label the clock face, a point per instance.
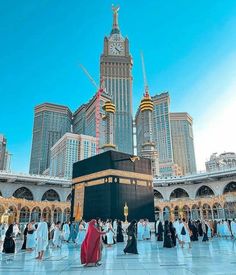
(116, 48)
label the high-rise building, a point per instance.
(144, 130)
(84, 119)
(51, 122)
(69, 149)
(221, 161)
(162, 132)
(7, 162)
(3, 150)
(116, 71)
(183, 142)
(79, 120)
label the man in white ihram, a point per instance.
(42, 238)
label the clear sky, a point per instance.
(189, 49)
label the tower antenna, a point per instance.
(146, 88)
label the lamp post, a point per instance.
(126, 212)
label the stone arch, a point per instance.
(47, 214)
(57, 215)
(51, 195)
(157, 212)
(186, 212)
(179, 193)
(13, 210)
(23, 193)
(176, 212)
(69, 197)
(166, 213)
(204, 191)
(157, 195)
(36, 214)
(230, 210)
(195, 212)
(218, 212)
(24, 214)
(230, 188)
(206, 211)
(66, 214)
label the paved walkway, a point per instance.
(215, 257)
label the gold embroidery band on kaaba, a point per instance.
(115, 173)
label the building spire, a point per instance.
(115, 25)
(146, 88)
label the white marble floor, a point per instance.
(215, 257)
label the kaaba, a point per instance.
(103, 184)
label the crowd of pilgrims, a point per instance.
(92, 237)
(183, 232)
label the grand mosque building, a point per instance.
(178, 191)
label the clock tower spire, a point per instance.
(115, 25)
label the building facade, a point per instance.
(28, 197)
(69, 149)
(84, 119)
(51, 122)
(183, 142)
(162, 132)
(222, 161)
(116, 71)
(3, 151)
(209, 195)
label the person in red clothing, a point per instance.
(90, 254)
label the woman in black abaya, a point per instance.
(173, 234)
(119, 236)
(131, 246)
(25, 237)
(167, 236)
(205, 231)
(199, 228)
(9, 243)
(160, 232)
(194, 230)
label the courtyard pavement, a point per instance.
(216, 257)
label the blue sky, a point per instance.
(189, 49)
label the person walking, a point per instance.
(90, 253)
(131, 246)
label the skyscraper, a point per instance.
(182, 141)
(3, 151)
(84, 119)
(115, 69)
(162, 132)
(51, 122)
(69, 149)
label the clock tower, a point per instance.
(116, 71)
